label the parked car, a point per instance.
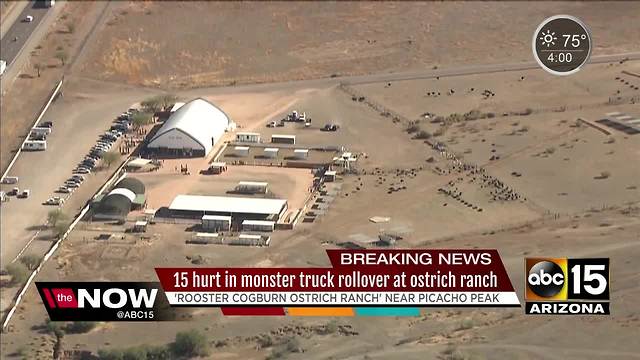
(15, 191)
(78, 177)
(24, 194)
(64, 190)
(71, 185)
(56, 200)
(82, 170)
(47, 124)
(271, 124)
(331, 127)
(28, 18)
(74, 180)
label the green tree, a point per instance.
(71, 28)
(80, 327)
(62, 56)
(190, 343)
(110, 157)
(158, 103)
(140, 119)
(60, 228)
(18, 272)
(55, 216)
(31, 261)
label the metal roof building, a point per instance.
(236, 207)
(132, 184)
(192, 130)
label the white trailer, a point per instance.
(301, 153)
(271, 152)
(241, 151)
(248, 137)
(216, 223)
(283, 139)
(3, 66)
(252, 187)
(35, 145)
(41, 131)
(258, 225)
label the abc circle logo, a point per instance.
(546, 279)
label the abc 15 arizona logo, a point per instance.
(562, 286)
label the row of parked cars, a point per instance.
(104, 143)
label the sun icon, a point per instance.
(548, 38)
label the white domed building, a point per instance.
(191, 131)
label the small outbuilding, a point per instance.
(241, 151)
(330, 176)
(301, 154)
(216, 223)
(248, 137)
(258, 225)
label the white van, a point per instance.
(41, 130)
(29, 18)
(35, 145)
(10, 180)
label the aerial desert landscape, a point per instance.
(458, 138)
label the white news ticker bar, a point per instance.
(204, 298)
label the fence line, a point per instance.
(35, 123)
(117, 175)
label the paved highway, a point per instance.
(21, 30)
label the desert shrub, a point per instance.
(265, 341)
(142, 352)
(550, 150)
(54, 216)
(55, 328)
(439, 132)
(31, 261)
(423, 135)
(527, 111)
(80, 327)
(112, 354)
(331, 327)
(466, 324)
(605, 175)
(190, 343)
(413, 128)
(472, 115)
(18, 272)
(290, 345)
(491, 115)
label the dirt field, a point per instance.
(299, 41)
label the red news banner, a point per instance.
(393, 277)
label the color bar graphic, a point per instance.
(382, 311)
(321, 311)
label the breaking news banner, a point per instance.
(563, 286)
(106, 301)
(357, 278)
